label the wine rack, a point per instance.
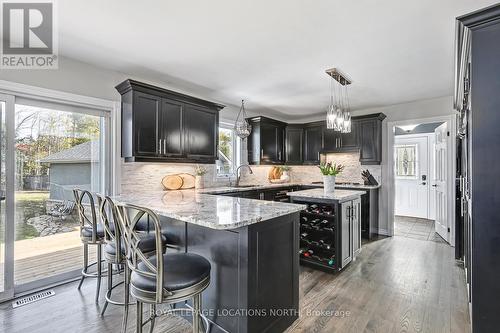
(318, 236)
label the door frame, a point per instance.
(9, 228)
(391, 181)
(12, 90)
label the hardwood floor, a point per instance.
(397, 284)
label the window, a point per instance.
(406, 163)
(228, 152)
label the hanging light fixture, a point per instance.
(338, 116)
(331, 111)
(242, 127)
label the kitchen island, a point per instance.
(330, 227)
(252, 246)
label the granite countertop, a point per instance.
(211, 211)
(228, 189)
(318, 193)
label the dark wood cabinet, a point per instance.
(200, 131)
(331, 140)
(369, 129)
(171, 125)
(478, 59)
(270, 143)
(147, 129)
(294, 145)
(313, 138)
(266, 143)
(163, 125)
(334, 141)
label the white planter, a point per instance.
(199, 182)
(329, 184)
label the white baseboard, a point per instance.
(384, 232)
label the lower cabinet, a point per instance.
(350, 231)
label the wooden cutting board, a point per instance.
(188, 180)
(172, 182)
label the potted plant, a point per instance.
(199, 171)
(285, 172)
(330, 171)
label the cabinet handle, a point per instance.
(318, 156)
(160, 148)
(262, 153)
(165, 146)
(279, 155)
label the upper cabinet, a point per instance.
(266, 143)
(313, 138)
(370, 138)
(304, 143)
(334, 141)
(162, 125)
(294, 144)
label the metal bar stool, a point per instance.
(162, 278)
(91, 233)
(113, 235)
(113, 239)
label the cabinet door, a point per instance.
(346, 234)
(294, 145)
(331, 140)
(271, 143)
(350, 140)
(146, 124)
(370, 141)
(312, 144)
(356, 227)
(171, 128)
(200, 133)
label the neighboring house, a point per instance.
(72, 168)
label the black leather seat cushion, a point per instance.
(146, 244)
(87, 230)
(180, 270)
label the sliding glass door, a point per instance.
(55, 148)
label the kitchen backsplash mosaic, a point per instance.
(148, 176)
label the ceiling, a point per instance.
(273, 53)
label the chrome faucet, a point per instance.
(238, 173)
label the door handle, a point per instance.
(262, 153)
(423, 183)
(434, 185)
(165, 146)
(160, 148)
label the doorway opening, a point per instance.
(422, 176)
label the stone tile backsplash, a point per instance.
(147, 176)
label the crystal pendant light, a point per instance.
(338, 113)
(331, 111)
(346, 127)
(242, 127)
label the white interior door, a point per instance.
(440, 181)
(432, 177)
(412, 182)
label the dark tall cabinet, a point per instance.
(162, 125)
(313, 138)
(294, 144)
(266, 143)
(477, 98)
(369, 129)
